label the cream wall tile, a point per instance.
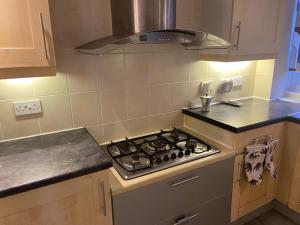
(17, 88)
(176, 119)
(136, 66)
(83, 72)
(231, 68)
(97, 132)
(115, 131)
(138, 101)
(114, 107)
(86, 109)
(51, 85)
(265, 67)
(198, 69)
(167, 68)
(1, 133)
(112, 71)
(160, 99)
(263, 86)
(56, 113)
(13, 127)
(159, 122)
(181, 95)
(138, 127)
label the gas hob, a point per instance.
(143, 155)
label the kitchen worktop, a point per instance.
(253, 114)
(30, 163)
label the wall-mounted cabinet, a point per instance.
(26, 44)
(250, 25)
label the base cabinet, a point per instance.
(189, 197)
(81, 201)
(247, 198)
(294, 200)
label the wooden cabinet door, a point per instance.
(25, 34)
(81, 201)
(294, 199)
(102, 199)
(246, 198)
(254, 27)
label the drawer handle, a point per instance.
(44, 36)
(238, 29)
(102, 191)
(184, 181)
(185, 220)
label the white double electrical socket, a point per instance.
(237, 81)
(27, 107)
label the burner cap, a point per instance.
(191, 143)
(158, 144)
(135, 158)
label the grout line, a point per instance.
(70, 102)
(142, 117)
(1, 132)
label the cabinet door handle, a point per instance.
(185, 220)
(240, 165)
(103, 197)
(44, 36)
(184, 181)
(237, 28)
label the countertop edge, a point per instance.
(244, 128)
(52, 180)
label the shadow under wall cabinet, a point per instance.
(251, 26)
(81, 201)
(26, 44)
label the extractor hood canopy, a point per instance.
(149, 22)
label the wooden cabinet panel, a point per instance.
(294, 200)
(251, 26)
(25, 34)
(254, 27)
(75, 202)
(26, 44)
(246, 198)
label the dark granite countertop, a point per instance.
(29, 163)
(253, 114)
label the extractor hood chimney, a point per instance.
(149, 22)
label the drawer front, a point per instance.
(154, 203)
(214, 212)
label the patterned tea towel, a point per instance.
(259, 157)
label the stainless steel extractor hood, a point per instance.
(149, 22)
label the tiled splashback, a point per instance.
(119, 94)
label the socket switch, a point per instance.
(28, 107)
(237, 81)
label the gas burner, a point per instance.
(194, 145)
(136, 157)
(155, 147)
(158, 144)
(122, 148)
(175, 136)
(134, 162)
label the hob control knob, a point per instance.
(158, 160)
(173, 156)
(187, 152)
(166, 158)
(180, 154)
